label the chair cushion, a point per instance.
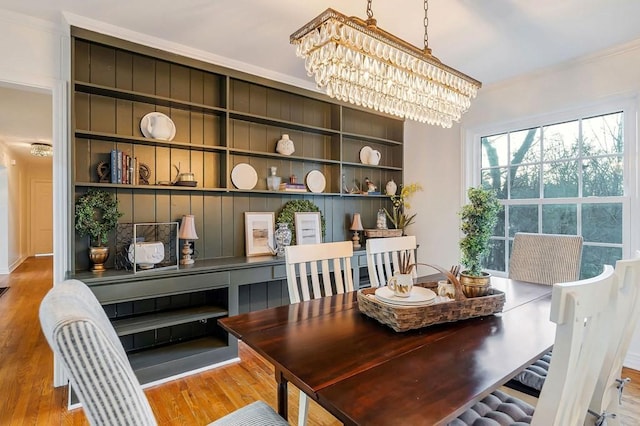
(254, 414)
(534, 375)
(496, 409)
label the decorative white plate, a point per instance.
(244, 176)
(419, 296)
(316, 181)
(158, 126)
(365, 152)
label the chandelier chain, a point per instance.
(369, 10)
(426, 23)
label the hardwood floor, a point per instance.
(26, 366)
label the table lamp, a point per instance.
(187, 233)
(356, 226)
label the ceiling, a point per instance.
(490, 40)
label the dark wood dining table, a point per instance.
(364, 373)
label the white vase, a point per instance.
(285, 146)
(391, 188)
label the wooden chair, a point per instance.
(543, 259)
(584, 312)
(319, 261)
(383, 254)
(84, 340)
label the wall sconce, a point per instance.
(187, 233)
(356, 226)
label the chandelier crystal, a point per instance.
(357, 62)
(39, 149)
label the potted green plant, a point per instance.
(398, 216)
(479, 217)
(96, 215)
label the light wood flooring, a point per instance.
(26, 364)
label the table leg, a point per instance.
(282, 395)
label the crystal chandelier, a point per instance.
(40, 149)
(357, 62)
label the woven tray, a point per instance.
(404, 318)
(382, 233)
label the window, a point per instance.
(560, 178)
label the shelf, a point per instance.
(372, 139)
(112, 137)
(253, 118)
(96, 89)
(166, 319)
(147, 187)
(371, 166)
(235, 151)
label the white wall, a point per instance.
(599, 78)
(14, 239)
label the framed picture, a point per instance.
(308, 228)
(258, 231)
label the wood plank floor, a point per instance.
(26, 365)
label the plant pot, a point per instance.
(98, 256)
(474, 286)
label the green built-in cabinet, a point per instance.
(222, 118)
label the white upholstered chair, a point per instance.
(84, 340)
(319, 262)
(584, 312)
(543, 259)
(383, 257)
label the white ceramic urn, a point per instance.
(285, 145)
(391, 188)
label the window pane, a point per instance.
(560, 141)
(602, 223)
(494, 150)
(498, 230)
(495, 179)
(560, 219)
(495, 258)
(602, 135)
(593, 258)
(602, 177)
(525, 182)
(560, 179)
(523, 219)
(525, 146)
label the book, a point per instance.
(293, 186)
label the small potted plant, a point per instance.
(97, 214)
(479, 217)
(398, 215)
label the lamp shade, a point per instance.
(356, 225)
(188, 228)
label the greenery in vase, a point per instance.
(96, 215)
(399, 217)
(479, 217)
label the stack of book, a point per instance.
(293, 187)
(124, 168)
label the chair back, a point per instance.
(606, 398)
(383, 257)
(584, 314)
(318, 261)
(545, 258)
(83, 339)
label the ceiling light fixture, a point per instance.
(40, 149)
(357, 62)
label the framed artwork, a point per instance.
(308, 228)
(258, 231)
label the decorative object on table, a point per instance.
(103, 169)
(146, 254)
(399, 216)
(446, 289)
(285, 145)
(381, 219)
(96, 215)
(144, 173)
(391, 188)
(151, 246)
(187, 234)
(382, 233)
(244, 176)
(287, 215)
(259, 233)
(307, 225)
(157, 125)
(479, 217)
(401, 282)
(316, 181)
(283, 238)
(183, 179)
(333, 42)
(273, 181)
(356, 225)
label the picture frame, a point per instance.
(258, 231)
(308, 227)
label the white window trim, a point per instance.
(471, 152)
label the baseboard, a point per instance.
(632, 360)
(15, 264)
